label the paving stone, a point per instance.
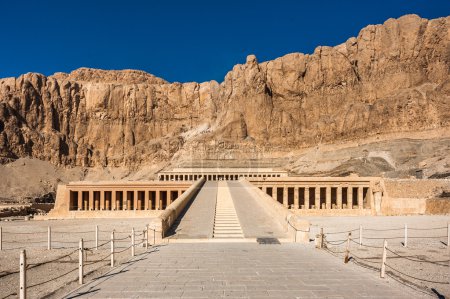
(241, 270)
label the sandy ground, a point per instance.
(52, 273)
(423, 264)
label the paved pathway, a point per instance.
(255, 221)
(240, 270)
(198, 219)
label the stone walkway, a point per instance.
(226, 221)
(255, 221)
(198, 220)
(240, 270)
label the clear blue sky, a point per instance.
(181, 40)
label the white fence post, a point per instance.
(96, 237)
(448, 236)
(80, 263)
(146, 237)
(23, 275)
(347, 251)
(49, 238)
(360, 235)
(112, 249)
(405, 242)
(132, 241)
(383, 261)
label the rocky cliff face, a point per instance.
(391, 78)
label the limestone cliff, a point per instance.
(391, 78)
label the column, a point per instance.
(136, 204)
(274, 192)
(328, 197)
(285, 197)
(317, 197)
(350, 197)
(91, 200)
(169, 197)
(180, 192)
(146, 198)
(102, 200)
(80, 200)
(158, 196)
(125, 204)
(264, 189)
(360, 198)
(339, 197)
(296, 202)
(113, 200)
(307, 197)
(107, 202)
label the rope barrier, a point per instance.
(419, 260)
(44, 282)
(421, 279)
(370, 246)
(383, 230)
(334, 244)
(435, 228)
(123, 250)
(343, 232)
(70, 232)
(17, 233)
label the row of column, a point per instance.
(88, 200)
(213, 177)
(312, 198)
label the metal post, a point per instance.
(1, 238)
(96, 237)
(146, 237)
(132, 241)
(347, 250)
(405, 242)
(154, 236)
(360, 236)
(80, 263)
(383, 261)
(49, 238)
(23, 275)
(112, 249)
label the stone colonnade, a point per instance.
(103, 198)
(320, 195)
(214, 176)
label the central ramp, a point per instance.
(226, 221)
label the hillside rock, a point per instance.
(391, 78)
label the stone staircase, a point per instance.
(226, 221)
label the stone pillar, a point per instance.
(285, 197)
(157, 200)
(80, 200)
(328, 197)
(264, 189)
(360, 197)
(317, 197)
(146, 198)
(107, 202)
(339, 197)
(350, 197)
(113, 200)
(102, 200)
(275, 192)
(169, 197)
(136, 200)
(91, 200)
(179, 193)
(96, 201)
(306, 197)
(296, 201)
(125, 204)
